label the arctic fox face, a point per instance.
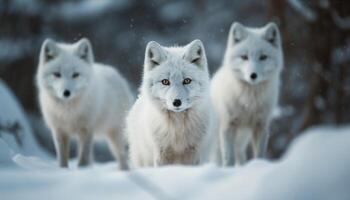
(175, 78)
(65, 69)
(254, 54)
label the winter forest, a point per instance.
(308, 150)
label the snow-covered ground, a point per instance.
(316, 166)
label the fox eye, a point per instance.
(165, 82)
(195, 60)
(187, 81)
(75, 75)
(263, 57)
(57, 74)
(244, 57)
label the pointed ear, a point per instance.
(49, 51)
(84, 50)
(237, 33)
(272, 34)
(154, 56)
(195, 54)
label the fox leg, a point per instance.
(240, 156)
(116, 145)
(227, 139)
(61, 141)
(165, 156)
(156, 158)
(242, 139)
(260, 141)
(263, 142)
(85, 140)
(137, 159)
(190, 156)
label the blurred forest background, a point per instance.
(316, 40)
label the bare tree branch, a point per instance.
(342, 23)
(305, 11)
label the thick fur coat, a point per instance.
(245, 90)
(171, 121)
(81, 98)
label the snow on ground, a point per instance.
(15, 133)
(316, 166)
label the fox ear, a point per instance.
(237, 33)
(272, 34)
(155, 54)
(49, 51)
(84, 50)
(195, 54)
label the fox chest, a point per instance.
(71, 121)
(179, 135)
(250, 108)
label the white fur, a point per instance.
(98, 102)
(160, 133)
(244, 105)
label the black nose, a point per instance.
(177, 102)
(253, 76)
(66, 93)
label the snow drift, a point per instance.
(316, 166)
(15, 132)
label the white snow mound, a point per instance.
(15, 133)
(316, 166)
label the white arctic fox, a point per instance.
(81, 98)
(171, 119)
(245, 90)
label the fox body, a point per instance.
(245, 90)
(172, 117)
(81, 98)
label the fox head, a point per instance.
(65, 69)
(254, 54)
(175, 78)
